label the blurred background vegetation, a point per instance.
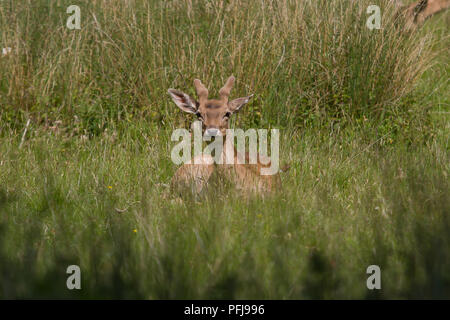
(305, 61)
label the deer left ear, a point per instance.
(236, 104)
(183, 101)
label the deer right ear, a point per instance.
(236, 104)
(183, 101)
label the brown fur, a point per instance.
(215, 115)
(416, 13)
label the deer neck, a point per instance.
(229, 151)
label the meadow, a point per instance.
(85, 126)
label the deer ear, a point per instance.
(183, 101)
(236, 104)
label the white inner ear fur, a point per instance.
(236, 104)
(183, 101)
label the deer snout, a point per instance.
(212, 132)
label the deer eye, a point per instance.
(227, 115)
(199, 115)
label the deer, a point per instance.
(214, 115)
(416, 13)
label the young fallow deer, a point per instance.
(214, 115)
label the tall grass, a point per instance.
(87, 182)
(104, 206)
(303, 59)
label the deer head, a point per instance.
(213, 113)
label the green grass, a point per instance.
(316, 59)
(345, 205)
(368, 182)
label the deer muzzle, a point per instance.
(212, 132)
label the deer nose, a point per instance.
(212, 132)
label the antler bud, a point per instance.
(226, 89)
(202, 92)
